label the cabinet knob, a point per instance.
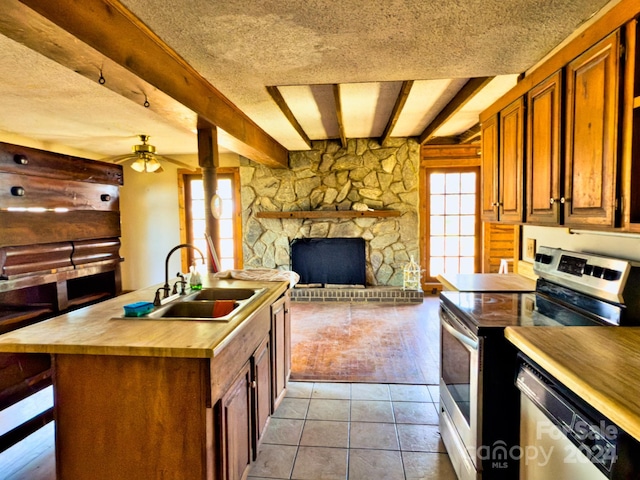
(17, 191)
(254, 384)
(105, 197)
(554, 200)
(20, 159)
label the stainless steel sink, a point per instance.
(192, 310)
(225, 294)
(200, 305)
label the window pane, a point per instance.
(452, 246)
(437, 204)
(468, 204)
(437, 225)
(437, 246)
(224, 188)
(453, 204)
(199, 227)
(226, 248)
(453, 225)
(467, 265)
(451, 265)
(197, 209)
(467, 225)
(437, 183)
(467, 246)
(226, 228)
(468, 182)
(197, 190)
(453, 183)
(436, 266)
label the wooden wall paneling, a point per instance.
(30, 161)
(499, 242)
(27, 191)
(29, 228)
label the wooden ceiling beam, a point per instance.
(466, 93)
(336, 96)
(397, 110)
(282, 104)
(471, 135)
(108, 27)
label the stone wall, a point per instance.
(329, 177)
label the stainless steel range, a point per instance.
(479, 404)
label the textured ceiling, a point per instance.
(303, 47)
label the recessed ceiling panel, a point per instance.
(426, 99)
(469, 115)
(359, 103)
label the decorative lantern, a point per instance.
(411, 276)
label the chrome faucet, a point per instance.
(166, 286)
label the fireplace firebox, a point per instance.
(329, 261)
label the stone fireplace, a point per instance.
(331, 178)
(327, 262)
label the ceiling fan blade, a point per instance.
(120, 158)
(175, 162)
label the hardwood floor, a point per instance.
(365, 342)
(343, 342)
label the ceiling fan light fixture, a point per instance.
(152, 165)
(139, 165)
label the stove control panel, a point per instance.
(596, 275)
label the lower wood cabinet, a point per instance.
(281, 348)
(261, 367)
(236, 444)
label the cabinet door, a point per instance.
(591, 138)
(511, 163)
(261, 390)
(489, 140)
(235, 427)
(543, 204)
(281, 348)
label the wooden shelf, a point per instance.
(329, 214)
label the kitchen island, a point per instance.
(161, 398)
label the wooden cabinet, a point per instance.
(489, 139)
(281, 348)
(235, 427)
(261, 367)
(503, 164)
(592, 121)
(544, 203)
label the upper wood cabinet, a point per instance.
(544, 202)
(502, 165)
(592, 118)
(489, 151)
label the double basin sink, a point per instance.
(209, 304)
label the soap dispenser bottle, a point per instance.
(195, 283)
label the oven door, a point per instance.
(460, 393)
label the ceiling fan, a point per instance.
(146, 158)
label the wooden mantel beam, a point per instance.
(108, 27)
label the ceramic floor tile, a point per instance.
(381, 436)
(370, 391)
(415, 412)
(420, 438)
(371, 411)
(283, 431)
(292, 408)
(322, 433)
(409, 393)
(320, 463)
(375, 464)
(434, 391)
(274, 461)
(422, 465)
(299, 389)
(340, 391)
(321, 409)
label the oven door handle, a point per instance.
(465, 339)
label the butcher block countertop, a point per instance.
(487, 282)
(600, 364)
(97, 330)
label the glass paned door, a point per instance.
(454, 226)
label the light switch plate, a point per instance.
(531, 247)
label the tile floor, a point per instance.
(354, 431)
